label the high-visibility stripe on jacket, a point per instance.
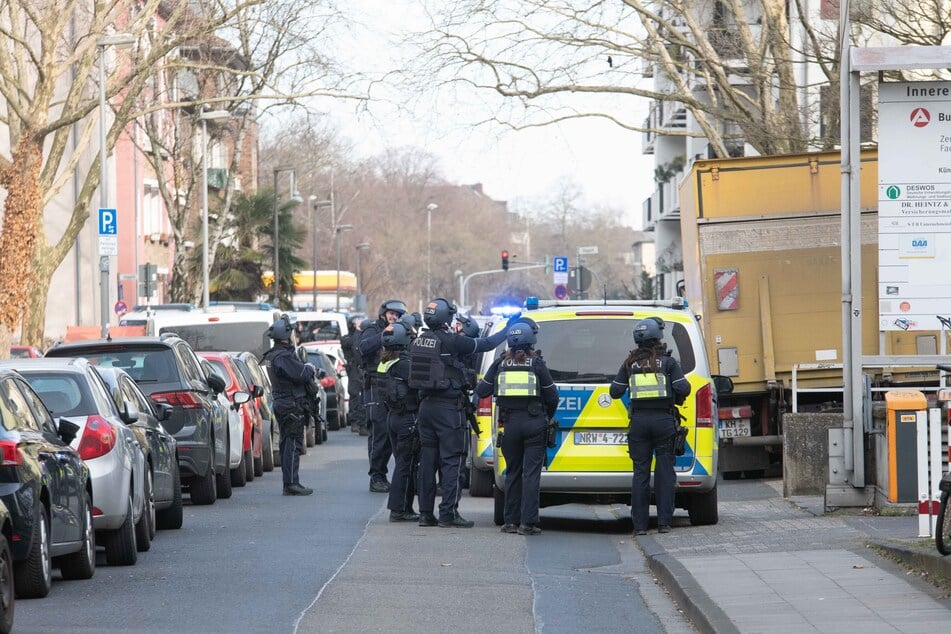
(517, 383)
(649, 386)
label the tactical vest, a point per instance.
(397, 396)
(516, 386)
(427, 368)
(649, 388)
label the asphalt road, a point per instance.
(261, 562)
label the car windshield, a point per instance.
(218, 336)
(592, 350)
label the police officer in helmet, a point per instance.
(289, 378)
(371, 346)
(437, 371)
(526, 397)
(656, 384)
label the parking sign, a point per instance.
(108, 223)
(560, 270)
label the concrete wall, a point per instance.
(806, 452)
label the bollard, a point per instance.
(903, 409)
(929, 469)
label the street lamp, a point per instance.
(121, 40)
(337, 231)
(429, 249)
(360, 247)
(295, 196)
(205, 117)
(315, 205)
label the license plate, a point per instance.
(734, 427)
(600, 438)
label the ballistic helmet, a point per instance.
(470, 327)
(366, 323)
(438, 313)
(520, 334)
(395, 305)
(531, 323)
(396, 337)
(650, 329)
(281, 329)
(412, 321)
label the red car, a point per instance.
(25, 352)
(250, 416)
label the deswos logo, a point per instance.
(920, 117)
(916, 247)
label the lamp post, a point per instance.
(277, 251)
(337, 231)
(315, 205)
(205, 117)
(119, 40)
(429, 249)
(363, 246)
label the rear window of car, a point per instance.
(63, 394)
(321, 361)
(150, 364)
(321, 330)
(592, 350)
(218, 336)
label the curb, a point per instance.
(931, 564)
(684, 589)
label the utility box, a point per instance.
(903, 407)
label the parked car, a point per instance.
(40, 472)
(6, 570)
(159, 446)
(251, 463)
(260, 387)
(168, 371)
(335, 352)
(335, 416)
(25, 352)
(72, 389)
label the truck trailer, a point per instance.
(762, 269)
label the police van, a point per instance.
(584, 344)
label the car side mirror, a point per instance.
(257, 391)
(722, 384)
(215, 382)
(129, 413)
(240, 398)
(67, 431)
(163, 411)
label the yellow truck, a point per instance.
(762, 269)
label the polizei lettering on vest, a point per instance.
(425, 342)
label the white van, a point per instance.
(321, 325)
(219, 329)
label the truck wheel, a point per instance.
(481, 482)
(702, 508)
(499, 496)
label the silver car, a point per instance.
(71, 388)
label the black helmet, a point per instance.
(438, 313)
(650, 329)
(411, 321)
(281, 329)
(470, 327)
(396, 336)
(520, 334)
(366, 323)
(530, 322)
(395, 305)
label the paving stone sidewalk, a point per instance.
(777, 565)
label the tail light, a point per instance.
(184, 399)
(10, 454)
(704, 410)
(327, 382)
(99, 437)
(484, 406)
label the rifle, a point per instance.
(470, 410)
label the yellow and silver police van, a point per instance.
(584, 343)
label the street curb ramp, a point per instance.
(695, 603)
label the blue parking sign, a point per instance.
(108, 222)
(560, 264)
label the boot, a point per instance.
(379, 485)
(400, 516)
(457, 521)
(427, 519)
(297, 489)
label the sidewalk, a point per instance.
(776, 565)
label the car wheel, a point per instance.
(499, 514)
(481, 482)
(323, 432)
(310, 435)
(82, 563)
(239, 474)
(171, 517)
(333, 421)
(259, 463)
(33, 577)
(268, 454)
(318, 433)
(204, 490)
(702, 508)
(121, 549)
(144, 531)
(249, 466)
(6, 587)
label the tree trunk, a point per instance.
(22, 213)
(34, 318)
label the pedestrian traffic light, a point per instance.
(505, 260)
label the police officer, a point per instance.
(370, 346)
(356, 416)
(289, 377)
(656, 384)
(526, 397)
(401, 402)
(436, 370)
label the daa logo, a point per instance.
(920, 117)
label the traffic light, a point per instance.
(505, 260)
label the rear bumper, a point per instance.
(110, 490)
(194, 458)
(611, 482)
